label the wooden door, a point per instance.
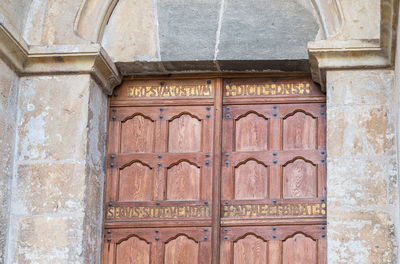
(273, 173)
(213, 170)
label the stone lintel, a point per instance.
(58, 59)
(333, 54)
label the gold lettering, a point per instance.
(110, 212)
(308, 88)
(284, 88)
(301, 88)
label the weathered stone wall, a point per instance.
(57, 189)
(8, 115)
(362, 166)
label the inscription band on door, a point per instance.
(216, 170)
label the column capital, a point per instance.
(57, 59)
(333, 54)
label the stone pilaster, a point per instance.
(55, 169)
(362, 166)
(8, 114)
(57, 189)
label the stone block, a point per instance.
(361, 237)
(15, 12)
(266, 30)
(264, 65)
(46, 239)
(363, 87)
(131, 33)
(361, 19)
(187, 29)
(53, 118)
(361, 130)
(54, 29)
(361, 184)
(50, 188)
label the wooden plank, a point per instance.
(216, 184)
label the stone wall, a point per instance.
(8, 116)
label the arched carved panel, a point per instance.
(250, 249)
(133, 251)
(137, 135)
(299, 179)
(136, 183)
(183, 182)
(181, 250)
(251, 181)
(299, 132)
(251, 133)
(185, 134)
(299, 250)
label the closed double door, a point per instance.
(216, 170)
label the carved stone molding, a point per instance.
(58, 59)
(357, 54)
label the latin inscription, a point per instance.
(159, 212)
(268, 89)
(170, 91)
(266, 210)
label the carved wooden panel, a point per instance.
(183, 182)
(136, 183)
(181, 250)
(251, 133)
(133, 251)
(185, 134)
(299, 131)
(137, 134)
(299, 249)
(250, 249)
(251, 181)
(300, 179)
